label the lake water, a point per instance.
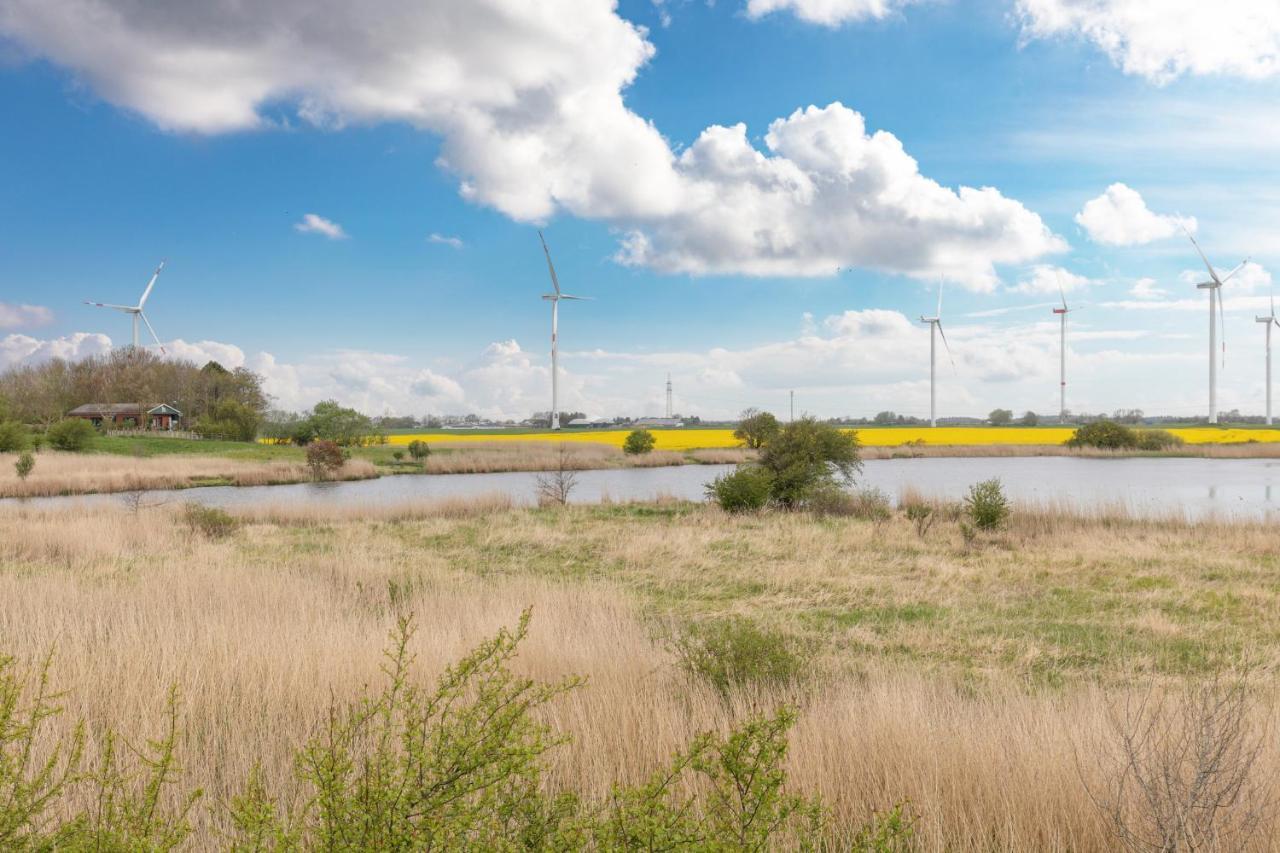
(1194, 487)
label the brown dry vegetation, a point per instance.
(973, 683)
(79, 473)
(492, 457)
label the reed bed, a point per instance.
(485, 458)
(1242, 450)
(82, 474)
(929, 662)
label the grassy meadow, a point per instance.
(976, 682)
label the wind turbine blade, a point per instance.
(1213, 275)
(1239, 267)
(1061, 292)
(947, 345)
(939, 314)
(578, 298)
(150, 284)
(109, 305)
(555, 282)
(154, 336)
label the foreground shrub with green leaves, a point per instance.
(986, 505)
(453, 766)
(735, 652)
(73, 434)
(746, 489)
(639, 442)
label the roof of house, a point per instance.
(103, 409)
(163, 409)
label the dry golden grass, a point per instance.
(493, 457)
(80, 474)
(930, 660)
(1245, 450)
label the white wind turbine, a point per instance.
(1062, 354)
(136, 310)
(554, 299)
(935, 329)
(1270, 320)
(1214, 286)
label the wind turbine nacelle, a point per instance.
(1060, 310)
(1207, 285)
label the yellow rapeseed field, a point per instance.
(691, 439)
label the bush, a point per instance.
(986, 505)
(734, 652)
(13, 437)
(1157, 439)
(868, 504)
(746, 489)
(756, 428)
(639, 442)
(806, 456)
(231, 420)
(211, 522)
(24, 465)
(419, 449)
(1107, 435)
(922, 516)
(73, 434)
(324, 458)
(397, 455)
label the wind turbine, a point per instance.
(1062, 354)
(554, 299)
(1214, 286)
(1270, 320)
(136, 310)
(935, 325)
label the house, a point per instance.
(589, 423)
(664, 423)
(128, 416)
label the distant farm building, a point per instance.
(128, 416)
(589, 423)
(661, 423)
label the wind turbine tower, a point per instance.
(554, 299)
(135, 311)
(669, 406)
(935, 329)
(1062, 355)
(1214, 286)
(1270, 320)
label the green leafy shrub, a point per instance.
(324, 458)
(867, 504)
(211, 522)
(1106, 435)
(807, 455)
(639, 442)
(13, 437)
(745, 489)
(73, 434)
(419, 449)
(24, 465)
(986, 505)
(231, 420)
(735, 652)
(397, 455)
(1157, 439)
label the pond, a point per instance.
(1149, 486)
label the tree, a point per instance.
(339, 424)
(73, 434)
(419, 449)
(885, 418)
(806, 456)
(13, 437)
(231, 419)
(639, 442)
(324, 458)
(745, 489)
(1030, 419)
(1107, 435)
(756, 428)
(1000, 417)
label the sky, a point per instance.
(759, 196)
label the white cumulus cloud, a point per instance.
(1164, 39)
(23, 349)
(1147, 288)
(446, 240)
(1045, 279)
(314, 224)
(1120, 217)
(827, 13)
(528, 101)
(24, 316)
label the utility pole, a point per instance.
(669, 407)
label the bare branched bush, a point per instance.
(1179, 769)
(555, 486)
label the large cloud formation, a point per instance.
(1166, 39)
(1120, 217)
(528, 100)
(828, 13)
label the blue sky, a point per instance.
(135, 141)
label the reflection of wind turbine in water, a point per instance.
(935, 326)
(554, 299)
(136, 310)
(1214, 286)
(1270, 320)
